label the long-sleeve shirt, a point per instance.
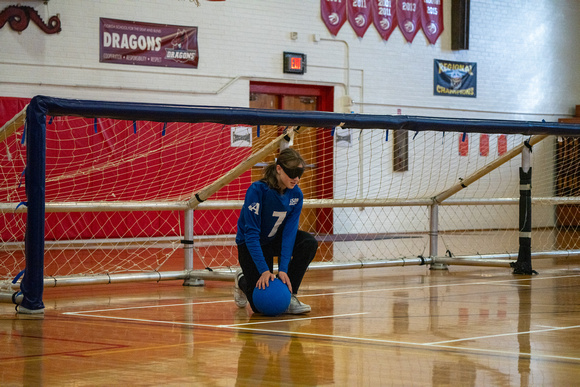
(265, 214)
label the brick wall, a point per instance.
(525, 51)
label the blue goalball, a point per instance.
(273, 300)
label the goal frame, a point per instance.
(41, 107)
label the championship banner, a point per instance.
(359, 15)
(384, 17)
(409, 18)
(432, 19)
(458, 79)
(148, 44)
(333, 14)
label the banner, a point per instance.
(432, 19)
(484, 144)
(333, 14)
(148, 44)
(384, 17)
(409, 18)
(359, 15)
(501, 144)
(463, 144)
(458, 79)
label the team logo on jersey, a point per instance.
(294, 201)
(255, 208)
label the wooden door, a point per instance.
(284, 97)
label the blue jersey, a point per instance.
(265, 214)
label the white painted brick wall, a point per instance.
(526, 53)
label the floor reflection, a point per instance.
(275, 358)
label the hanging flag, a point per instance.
(432, 19)
(409, 18)
(333, 14)
(501, 145)
(384, 17)
(463, 144)
(484, 144)
(359, 15)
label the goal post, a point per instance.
(111, 190)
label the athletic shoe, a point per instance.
(22, 310)
(297, 307)
(239, 296)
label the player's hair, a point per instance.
(288, 158)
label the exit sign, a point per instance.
(294, 63)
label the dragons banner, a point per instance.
(148, 44)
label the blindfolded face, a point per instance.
(293, 173)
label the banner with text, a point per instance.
(457, 79)
(409, 18)
(432, 19)
(148, 44)
(384, 17)
(359, 16)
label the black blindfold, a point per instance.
(293, 172)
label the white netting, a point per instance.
(114, 161)
(109, 162)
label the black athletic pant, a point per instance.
(305, 248)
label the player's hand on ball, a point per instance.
(265, 279)
(284, 278)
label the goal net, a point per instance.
(98, 192)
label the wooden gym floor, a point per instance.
(389, 326)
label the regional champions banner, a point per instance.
(148, 44)
(458, 79)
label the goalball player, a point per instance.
(268, 227)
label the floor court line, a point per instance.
(409, 344)
(499, 282)
(347, 338)
(503, 335)
(330, 294)
(291, 320)
(499, 352)
(245, 327)
(145, 320)
(148, 307)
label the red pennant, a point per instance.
(409, 18)
(463, 144)
(384, 17)
(484, 144)
(501, 145)
(359, 15)
(432, 19)
(333, 14)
